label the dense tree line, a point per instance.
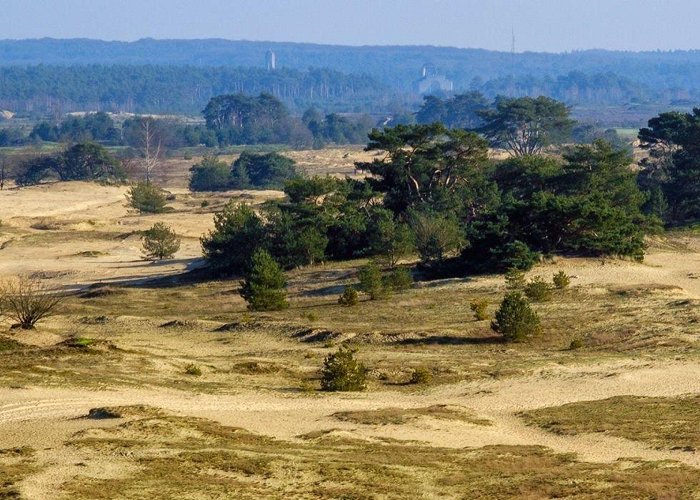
(171, 89)
(230, 119)
(674, 73)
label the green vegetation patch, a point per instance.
(15, 465)
(663, 422)
(399, 416)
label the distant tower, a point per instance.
(271, 60)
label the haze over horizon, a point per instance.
(538, 25)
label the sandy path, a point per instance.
(44, 412)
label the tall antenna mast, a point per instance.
(512, 51)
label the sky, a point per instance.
(538, 25)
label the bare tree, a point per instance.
(28, 301)
(151, 148)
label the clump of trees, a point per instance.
(435, 193)
(81, 162)
(89, 127)
(461, 111)
(248, 171)
(160, 242)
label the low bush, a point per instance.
(421, 376)
(349, 297)
(538, 290)
(479, 307)
(561, 280)
(193, 369)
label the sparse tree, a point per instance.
(28, 301)
(524, 125)
(160, 242)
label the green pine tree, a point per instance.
(264, 284)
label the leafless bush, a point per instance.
(28, 301)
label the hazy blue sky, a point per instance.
(542, 25)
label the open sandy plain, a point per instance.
(617, 417)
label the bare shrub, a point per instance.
(28, 301)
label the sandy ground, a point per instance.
(45, 229)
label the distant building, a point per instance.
(431, 81)
(271, 60)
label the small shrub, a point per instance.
(342, 372)
(479, 308)
(311, 317)
(28, 301)
(349, 297)
(371, 281)
(147, 198)
(561, 280)
(538, 290)
(160, 242)
(576, 344)
(398, 280)
(204, 204)
(264, 287)
(515, 319)
(193, 369)
(421, 376)
(515, 279)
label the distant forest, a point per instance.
(180, 76)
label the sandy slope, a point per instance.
(44, 417)
(38, 415)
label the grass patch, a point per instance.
(662, 422)
(398, 416)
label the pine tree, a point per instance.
(264, 284)
(160, 242)
(515, 319)
(147, 198)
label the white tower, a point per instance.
(271, 60)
